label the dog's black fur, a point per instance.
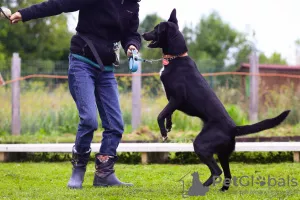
(188, 91)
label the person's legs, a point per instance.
(81, 79)
(107, 99)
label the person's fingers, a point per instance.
(14, 21)
(129, 53)
(130, 49)
(15, 18)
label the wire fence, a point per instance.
(48, 108)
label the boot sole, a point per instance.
(121, 185)
(75, 188)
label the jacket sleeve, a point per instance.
(53, 7)
(132, 37)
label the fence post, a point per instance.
(15, 89)
(254, 84)
(2, 82)
(136, 99)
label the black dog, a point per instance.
(188, 91)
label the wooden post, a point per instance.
(254, 79)
(15, 74)
(144, 156)
(2, 82)
(136, 99)
(243, 87)
(3, 156)
(296, 156)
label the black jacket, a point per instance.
(103, 21)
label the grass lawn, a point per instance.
(48, 181)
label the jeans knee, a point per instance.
(90, 123)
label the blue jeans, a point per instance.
(94, 90)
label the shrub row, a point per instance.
(174, 158)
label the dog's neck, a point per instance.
(171, 57)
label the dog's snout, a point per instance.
(144, 35)
(148, 36)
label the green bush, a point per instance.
(245, 157)
(237, 114)
(262, 157)
(174, 158)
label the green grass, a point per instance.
(48, 181)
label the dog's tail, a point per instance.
(263, 125)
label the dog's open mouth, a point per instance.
(152, 43)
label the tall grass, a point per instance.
(280, 99)
(48, 111)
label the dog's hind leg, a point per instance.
(206, 156)
(224, 160)
(213, 167)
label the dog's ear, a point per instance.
(173, 17)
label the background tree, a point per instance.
(216, 46)
(213, 41)
(275, 58)
(45, 39)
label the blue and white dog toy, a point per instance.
(5, 13)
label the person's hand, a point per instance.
(131, 48)
(16, 17)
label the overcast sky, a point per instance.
(276, 22)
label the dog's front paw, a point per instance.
(169, 126)
(164, 135)
(165, 138)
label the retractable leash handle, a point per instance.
(133, 61)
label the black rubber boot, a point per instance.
(79, 162)
(105, 173)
